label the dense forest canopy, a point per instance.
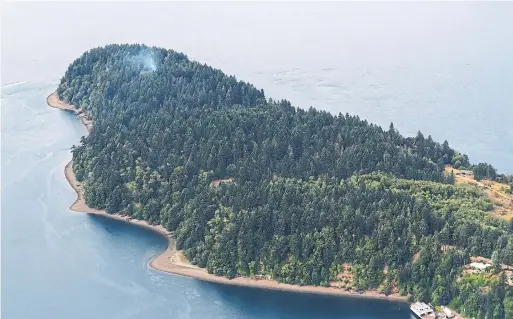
(299, 192)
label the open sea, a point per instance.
(442, 68)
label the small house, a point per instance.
(465, 173)
(479, 266)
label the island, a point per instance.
(256, 192)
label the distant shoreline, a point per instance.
(174, 261)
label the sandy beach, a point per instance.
(54, 101)
(174, 261)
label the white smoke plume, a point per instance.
(145, 60)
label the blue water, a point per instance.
(443, 68)
(61, 264)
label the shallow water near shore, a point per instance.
(444, 69)
(61, 264)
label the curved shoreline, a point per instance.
(173, 261)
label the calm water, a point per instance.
(445, 69)
(60, 264)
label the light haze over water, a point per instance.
(443, 68)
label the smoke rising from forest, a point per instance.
(145, 59)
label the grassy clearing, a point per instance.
(496, 192)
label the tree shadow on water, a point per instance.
(281, 304)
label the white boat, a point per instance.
(447, 312)
(422, 310)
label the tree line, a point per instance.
(299, 192)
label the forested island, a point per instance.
(258, 188)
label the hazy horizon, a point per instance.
(442, 68)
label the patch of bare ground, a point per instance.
(217, 182)
(497, 192)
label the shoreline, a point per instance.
(173, 261)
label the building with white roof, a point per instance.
(479, 266)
